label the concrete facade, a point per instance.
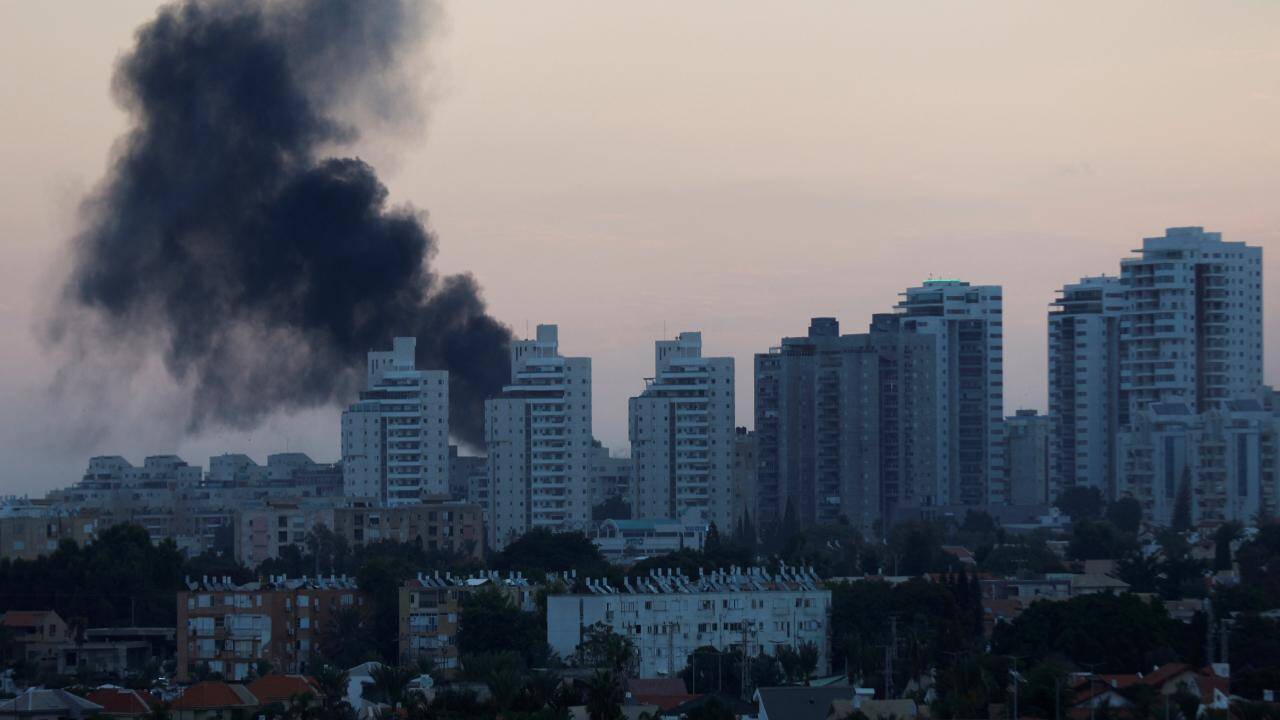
(968, 322)
(540, 443)
(682, 433)
(667, 615)
(846, 425)
(1084, 384)
(395, 438)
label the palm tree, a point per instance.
(302, 707)
(345, 640)
(391, 684)
(505, 685)
(604, 696)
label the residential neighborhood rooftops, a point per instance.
(214, 694)
(119, 701)
(43, 703)
(270, 689)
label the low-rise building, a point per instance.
(42, 704)
(625, 541)
(667, 615)
(30, 529)
(430, 606)
(213, 700)
(230, 628)
(37, 636)
(438, 524)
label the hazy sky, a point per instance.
(630, 169)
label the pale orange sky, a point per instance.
(726, 166)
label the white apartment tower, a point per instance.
(682, 436)
(540, 445)
(395, 439)
(1192, 329)
(1084, 381)
(968, 323)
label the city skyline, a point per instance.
(687, 236)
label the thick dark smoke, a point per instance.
(224, 239)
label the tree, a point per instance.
(346, 637)
(601, 647)
(1226, 534)
(1259, 560)
(1126, 515)
(1080, 502)
(390, 684)
(541, 551)
(490, 623)
(613, 508)
(1122, 632)
(765, 671)
(506, 683)
(1182, 503)
(604, 696)
(712, 709)
(1097, 540)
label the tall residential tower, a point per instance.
(1084, 384)
(540, 445)
(395, 439)
(1192, 327)
(968, 322)
(682, 435)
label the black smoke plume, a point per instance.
(225, 239)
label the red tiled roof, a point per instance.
(1165, 673)
(119, 701)
(214, 694)
(280, 688)
(24, 618)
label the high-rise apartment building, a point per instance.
(1026, 457)
(395, 438)
(968, 322)
(1192, 327)
(681, 431)
(1220, 465)
(1084, 384)
(540, 444)
(846, 428)
(610, 476)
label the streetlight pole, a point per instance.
(1014, 675)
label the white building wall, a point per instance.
(1192, 329)
(540, 442)
(395, 439)
(1084, 337)
(965, 318)
(682, 435)
(667, 627)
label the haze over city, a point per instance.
(629, 172)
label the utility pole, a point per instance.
(1013, 674)
(889, 651)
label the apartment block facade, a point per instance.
(669, 615)
(438, 524)
(682, 433)
(1084, 384)
(846, 426)
(1191, 331)
(395, 438)
(1026, 454)
(1222, 462)
(538, 433)
(968, 323)
(230, 628)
